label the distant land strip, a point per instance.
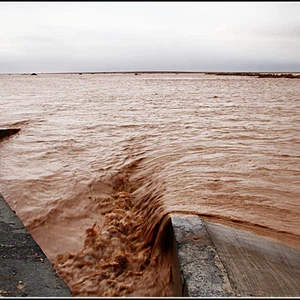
(256, 74)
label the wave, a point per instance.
(130, 254)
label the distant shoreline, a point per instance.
(242, 73)
(258, 74)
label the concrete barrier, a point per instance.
(203, 274)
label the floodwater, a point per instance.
(102, 159)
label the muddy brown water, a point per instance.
(101, 160)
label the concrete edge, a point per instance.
(202, 271)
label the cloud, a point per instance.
(137, 35)
(282, 32)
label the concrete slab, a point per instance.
(256, 266)
(201, 268)
(25, 271)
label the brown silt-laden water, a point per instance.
(101, 160)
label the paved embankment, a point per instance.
(220, 261)
(25, 271)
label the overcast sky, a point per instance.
(149, 36)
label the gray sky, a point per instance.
(149, 36)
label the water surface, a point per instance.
(223, 147)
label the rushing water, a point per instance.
(96, 149)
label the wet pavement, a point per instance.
(25, 271)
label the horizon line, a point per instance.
(138, 72)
